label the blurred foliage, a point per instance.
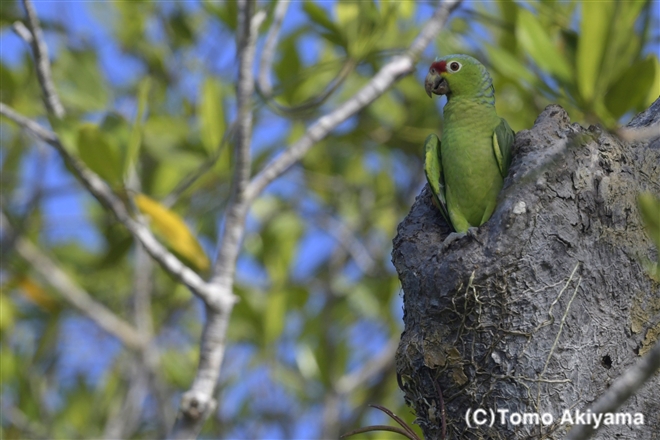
(150, 96)
(649, 208)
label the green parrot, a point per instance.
(466, 171)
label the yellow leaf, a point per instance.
(174, 231)
(36, 294)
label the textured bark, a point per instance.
(548, 302)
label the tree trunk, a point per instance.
(548, 303)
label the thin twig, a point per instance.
(40, 52)
(561, 327)
(375, 428)
(349, 382)
(348, 239)
(15, 417)
(397, 419)
(74, 294)
(125, 422)
(23, 32)
(617, 394)
(268, 53)
(399, 67)
(103, 193)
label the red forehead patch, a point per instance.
(439, 66)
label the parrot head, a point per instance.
(456, 75)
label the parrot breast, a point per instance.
(472, 177)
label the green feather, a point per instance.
(433, 171)
(502, 143)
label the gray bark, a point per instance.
(548, 302)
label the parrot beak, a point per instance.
(435, 83)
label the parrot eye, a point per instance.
(455, 66)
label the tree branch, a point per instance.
(349, 382)
(198, 402)
(74, 294)
(624, 387)
(268, 52)
(103, 193)
(229, 243)
(347, 238)
(399, 67)
(40, 52)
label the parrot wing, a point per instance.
(502, 146)
(434, 175)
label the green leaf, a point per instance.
(99, 154)
(632, 87)
(623, 45)
(649, 208)
(594, 27)
(117, 131)
(163, 133)
(211, 115)
(320, 16)
(287, 69)
(179, 368)
(67, 131)
(508, 65)
(306, 362)
(347, 12)
(280, 238)
(388, 111)
(7, 315)
(79, 81)
(10, 363)
(275, 313)
(363, 301)
(7, 85)
(538, 44)
(225, 11)
(135, 139)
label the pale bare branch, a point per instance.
(103, 193)
(636, 134)
(346, 237)
(73, 293)
(349, 382)
(399, 67)
(268, 52)
(40, 52)
(264, 85)
(198, 402)
(237, 207)
(23, 32)
(14, 416)
(125, 422)
(622, 388)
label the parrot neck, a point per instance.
(461, 103)
(474, 108)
